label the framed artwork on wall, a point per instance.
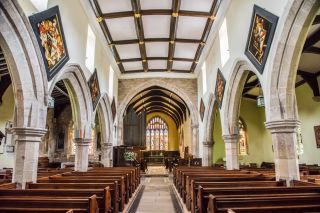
(93, 84)
(219, 90)
(317, 135)
(261, 32)
(202, 109)
(47, 27)
(113, 108)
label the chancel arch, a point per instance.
(173, 102)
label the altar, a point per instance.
(159, 156)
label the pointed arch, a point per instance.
(80, 98)
(25, 66)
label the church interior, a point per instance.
(160, 106)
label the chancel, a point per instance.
(159, 106)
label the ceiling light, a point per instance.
(118, 62)
(141, 42)
(196, 62)
(171, 42)
(144, 60)
(110, 45)
(202, 43)
(170, 60)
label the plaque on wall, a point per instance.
(113, 109)
(202, 109)
(317, 134)
(220, 85)
(93, 84)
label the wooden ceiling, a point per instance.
(5, 79)
(156, 36)
(157, 99)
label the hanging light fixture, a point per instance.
(260, 98)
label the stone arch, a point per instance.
(231, 104)
(171, 87)
(25, 66)
(208, 124)
(106, 121)
(282, 76)
(80, 98)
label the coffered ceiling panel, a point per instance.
(156, 26)
(122, 28)
(155, 4)
(185, 50)
(157, 49)
(157, 64)
(196, 5)
(191, 27)
(134, 65)
(166, 35)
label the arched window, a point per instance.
(157, 134)
(243, 143)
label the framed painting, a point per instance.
(202, 109)
(113, 109)
(317, 134)
(261, 32)
(220, 85)
(48, 30)
(93, 84)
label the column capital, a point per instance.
(82, 141)
(282, 126)
(28, 134)
(208, 143)
(230, 138)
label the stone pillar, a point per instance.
(284, 139)
(106, 154)
(207, 153)
(231, 146)
(81, 154)
(27, 152)
(195, 136)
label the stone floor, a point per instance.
(157, 195)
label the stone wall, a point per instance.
(187, 86)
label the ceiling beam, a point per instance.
(107, 34)
(252, 97)
(5, 82)
(134, 41)
(157, 59)
(124, 14)
(312, 40)
(316, 20)
(249, 86)
(213, 11)
(312, 80)
(140, 32)
(157, 70)
(173, 32)
(314, 50)
(61, 91)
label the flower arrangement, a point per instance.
(129, 156)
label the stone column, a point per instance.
(195, 137)
(207, 153)
(81, 154)
(27, 152)
(106, 154)
(284, 139)
(231, 146)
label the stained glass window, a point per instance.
(157, 134)
(243, 144)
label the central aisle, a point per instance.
(157, 195)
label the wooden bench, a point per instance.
(113, 187)
(88, 205)
(291, 203)
(103, 196)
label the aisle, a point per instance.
(157, 195)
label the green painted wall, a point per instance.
(309, 115)
(173, 131)
(258, 137)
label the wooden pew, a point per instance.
(35, 210)
(251, 192)
(113, 187)
(192, 194)
(88, 205)
(103, 197)
(283, 203)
